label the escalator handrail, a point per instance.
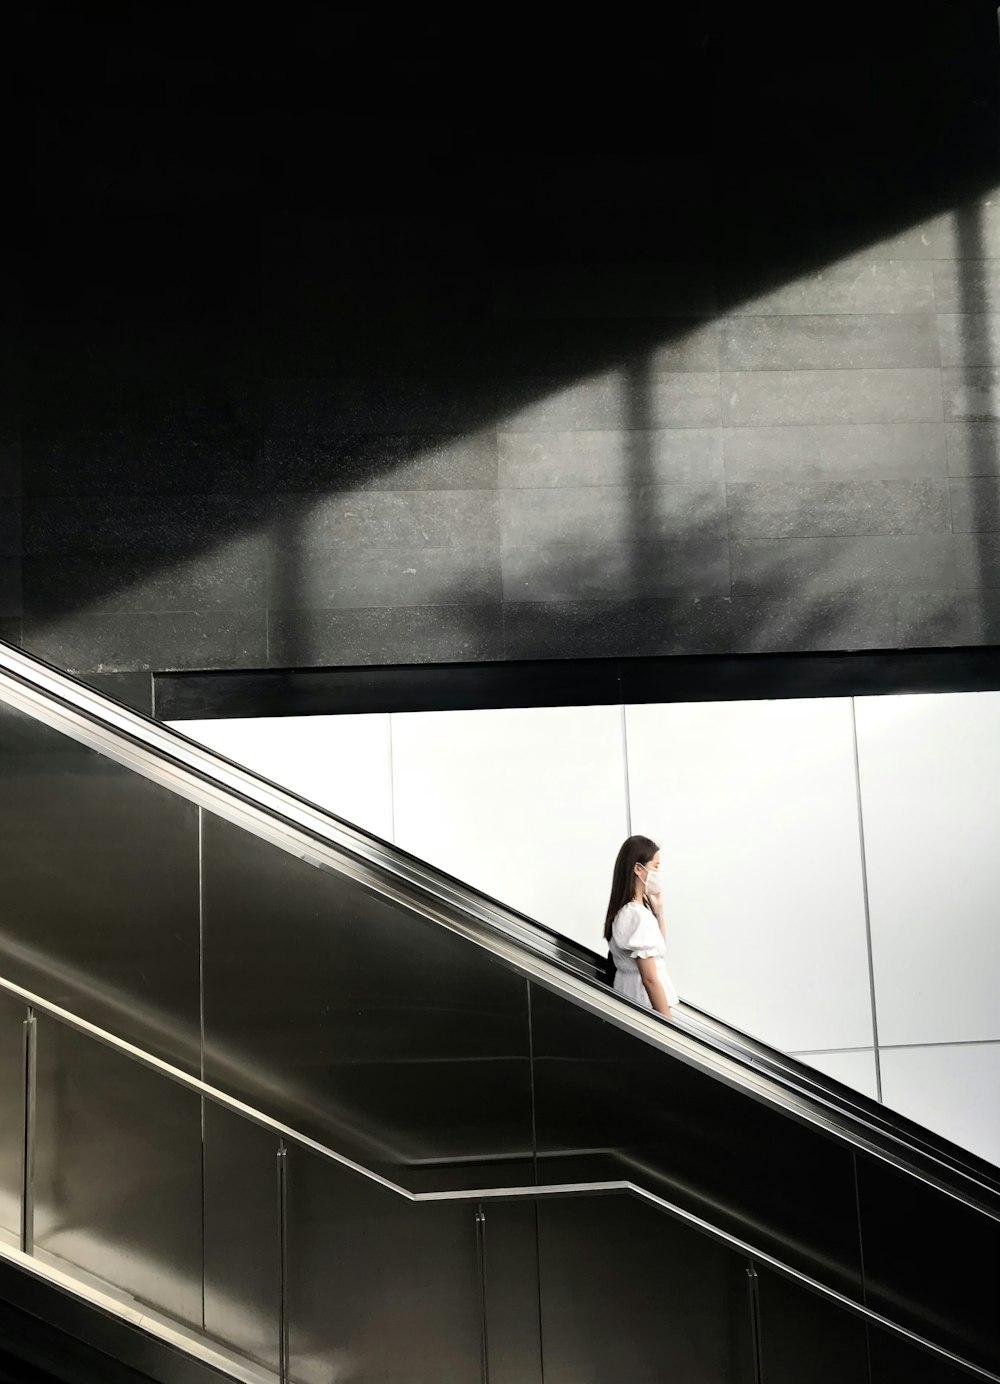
(799, 1073)
(271, 812)
(795, 1072)
(524, 1192)
(788, 1069)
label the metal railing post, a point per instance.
(753, 1295)
(484, 1354)
(30, 1088)
(282, 1262)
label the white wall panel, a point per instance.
(953, 1090)
(930, 786)
(338, 762)
(854, 1069)
(527, 805)
(755, 806)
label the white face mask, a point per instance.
(651, 884)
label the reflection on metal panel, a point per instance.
(100, 871)
(511, 1275)
(118, 1172)
(804, 1337)
(389, 1038)
(242, 1248)
(609, 1105)
(380, 1290)
(931, 1264)
(627, 1295)
(399, 1043)
(896, 1362)
(11, 1113)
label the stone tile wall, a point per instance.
(515, 401)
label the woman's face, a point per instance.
(642, 871)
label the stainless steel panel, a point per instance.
(242, 1246)
(894, 1361)
(931, 1264)
(176, 763)
(11, 1113)
(804, 1337)
(512, 1293)
(629, 1295)
(100, 871)
(57, 1337)
(380, 1033)
(380, 1290)
(610, 1106)
(118, 1172)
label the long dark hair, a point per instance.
(637, 850)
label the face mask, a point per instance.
(652, 882)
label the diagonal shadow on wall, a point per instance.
(201, 381)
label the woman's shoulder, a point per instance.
(635, 931)
(632, 913)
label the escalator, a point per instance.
(284, 1102)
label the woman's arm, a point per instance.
(656, 904)
(654, 985)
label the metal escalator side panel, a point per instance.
(390, 1039)
(118, 1173)
(379, 1288)
(386, 1011)
(608, 1106)
(626, 1295)
(930, 1265)
(12, 1017)
(95, 1234)
(100, 876)
(241, 1235)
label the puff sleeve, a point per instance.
(637, 932)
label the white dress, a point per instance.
(635, 933)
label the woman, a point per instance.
(634, 928)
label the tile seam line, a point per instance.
(897, 1047)
(676, 428)
(824, 369)
(865, 896)
(831, 370)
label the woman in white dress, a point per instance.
(634, 929)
